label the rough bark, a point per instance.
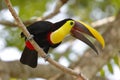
(17, 70)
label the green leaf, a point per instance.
(110, 68)
(116, 60)
(102, 72)
(13, 38)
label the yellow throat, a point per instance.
(58, 35)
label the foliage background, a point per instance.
(86, 10)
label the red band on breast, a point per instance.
(29, 45)
(48, 38)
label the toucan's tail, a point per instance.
(29, 57)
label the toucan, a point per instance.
(48, 34)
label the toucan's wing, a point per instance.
(39, 27)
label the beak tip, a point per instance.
(102, 42)
(103, 46)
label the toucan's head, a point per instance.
(78, 29)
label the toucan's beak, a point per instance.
(80, 28)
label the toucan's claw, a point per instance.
(30, 37)
(46, 57)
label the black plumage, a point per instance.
(41, 31)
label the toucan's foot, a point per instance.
(46, 57)
(30, 37)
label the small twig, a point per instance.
(95, 24)
(103, 21)
(14, 24)
(37, 48)
(7, 23)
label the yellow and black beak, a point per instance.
(80, 28)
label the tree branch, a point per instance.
(56, 10)
(89, 64)
(42, 71)
(8, 23)
(103, 21)
(37, 48)
(25, 72)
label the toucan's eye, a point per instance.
(71, 23)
